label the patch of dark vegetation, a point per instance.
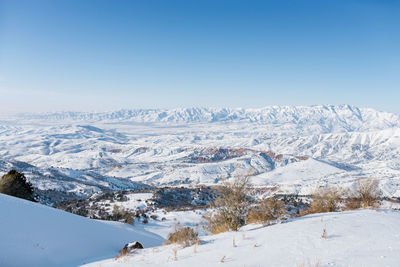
(107, 205)
(104, 206)
(181, 198)
(294, 203)
(50, 197)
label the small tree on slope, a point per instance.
(231, 208)
(15, 184)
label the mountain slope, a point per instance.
(356, 238)
(36, 235)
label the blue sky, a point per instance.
(106, 55)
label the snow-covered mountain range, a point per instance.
(329, 118)
(293, 148)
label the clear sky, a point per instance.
(106, 55)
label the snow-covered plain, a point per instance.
(35, 235)
(295, 148)
(354, 238)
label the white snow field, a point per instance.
(354, 238)
(293, 148)
(36, 235)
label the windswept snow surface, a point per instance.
(354, 238)
(35, 235)
(83, 153)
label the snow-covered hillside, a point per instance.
(295, 148)
(354, 238)
(35, 235)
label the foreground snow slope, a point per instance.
(355, 238)
(35, 235)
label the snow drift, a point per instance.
(354, 238)
(35, 235)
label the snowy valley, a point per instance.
(293, 148)
(139, 174)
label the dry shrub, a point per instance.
(175, 252)
(196, 244)
(326, 200)
(122, 215)
(230, 208)
(352, 203)
(269, 209)
(218, 223)
(368, 191)
(324, 234)
(316, 263)
(185, 236)
(304, 212)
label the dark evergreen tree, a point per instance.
(15, 184)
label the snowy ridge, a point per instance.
(332, 118)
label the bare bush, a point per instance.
(326, 200)
(368, 191)
(268, 210)
(185, 236)
(316, 263)
(222, 260)
(230, 208)
(352, 203)
(175, 252)
(122, 215)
